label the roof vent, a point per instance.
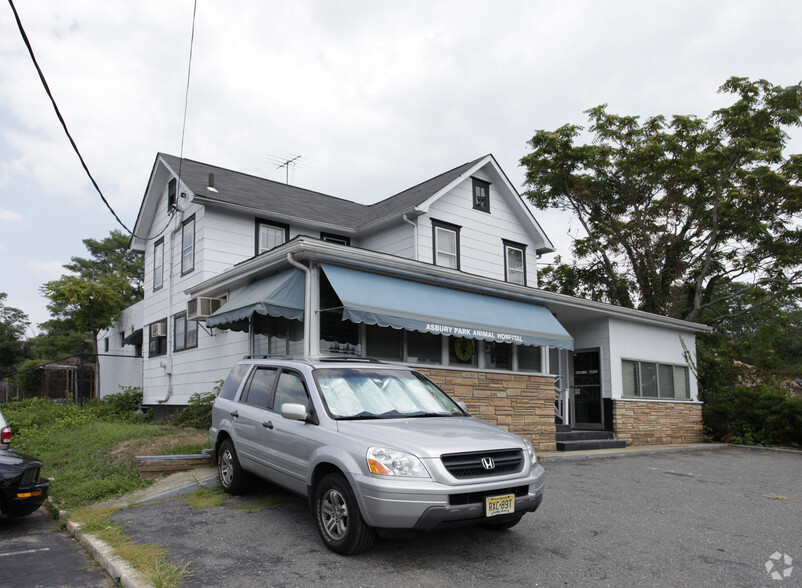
(211, 183)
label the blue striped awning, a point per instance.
(402, 304)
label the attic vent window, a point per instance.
(481, 195)
(211, 187)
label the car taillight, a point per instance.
(5, 435)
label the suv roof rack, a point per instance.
(335, 358)
(269, 356)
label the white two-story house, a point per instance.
(442, 276)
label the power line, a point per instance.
(61, 118)
(186, 93)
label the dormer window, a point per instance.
(481, 195)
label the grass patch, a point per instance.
(206, 497)
(187, 449)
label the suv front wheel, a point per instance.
(339, 522)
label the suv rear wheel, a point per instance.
(339, 522)
(233, 478)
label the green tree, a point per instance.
(692, 218)
(111, 256)
(14, 348)
(92, 295)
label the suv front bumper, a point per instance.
(425, 505)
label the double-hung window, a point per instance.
(514, 263)
(188, 245)
(158, 264)
(446, 244)
(185, 333)
(270, 235)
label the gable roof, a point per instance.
(262, 196)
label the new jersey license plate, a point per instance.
(498, 505)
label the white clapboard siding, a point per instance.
(481, 233)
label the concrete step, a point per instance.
(586, 445)
(584, 435)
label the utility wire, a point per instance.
(186, 94)
(61, 118)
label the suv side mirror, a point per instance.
(293, 411)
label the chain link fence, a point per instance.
(76, 378)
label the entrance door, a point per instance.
(587, 393)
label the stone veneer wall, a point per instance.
(657, 423)
(520, 403)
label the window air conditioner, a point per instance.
(202, 307)
(158, 330)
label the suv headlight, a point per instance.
(391, 462)
(530, 451)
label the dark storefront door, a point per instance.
(587, 396)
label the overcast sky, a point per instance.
(375, 96)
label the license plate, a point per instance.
(498, 505)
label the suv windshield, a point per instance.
(374, 393)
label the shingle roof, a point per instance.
(239, 189)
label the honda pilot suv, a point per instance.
(377, 449)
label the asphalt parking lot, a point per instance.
(34, 551)
(694, 518)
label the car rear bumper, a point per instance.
(23, 501)
(426, 505)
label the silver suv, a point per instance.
(376, 448)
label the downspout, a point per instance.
(414, 236)
(308, 311)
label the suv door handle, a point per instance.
(268, 425)
(234, 413)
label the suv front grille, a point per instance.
(472, 465)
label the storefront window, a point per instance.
(336, 335)
(277, 336)
(530, 358)
(424, 348)
(653, 380)
(498, 356)
(384, 343)
(462, 351)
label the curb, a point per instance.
(122, 573)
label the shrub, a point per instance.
(198, 414)
(760, 415)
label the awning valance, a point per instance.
(281, 294)
(402, 304)
(134, 338)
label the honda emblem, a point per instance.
(488, 463)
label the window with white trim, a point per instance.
(645, 379)
(514, 263)
(445, 237)
(188, 245)
(158, 264)
(270, 235)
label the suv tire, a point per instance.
(233, 478)
(339, 522)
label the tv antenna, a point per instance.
(286, 162)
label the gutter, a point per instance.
(307, 304)
(308, 248)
